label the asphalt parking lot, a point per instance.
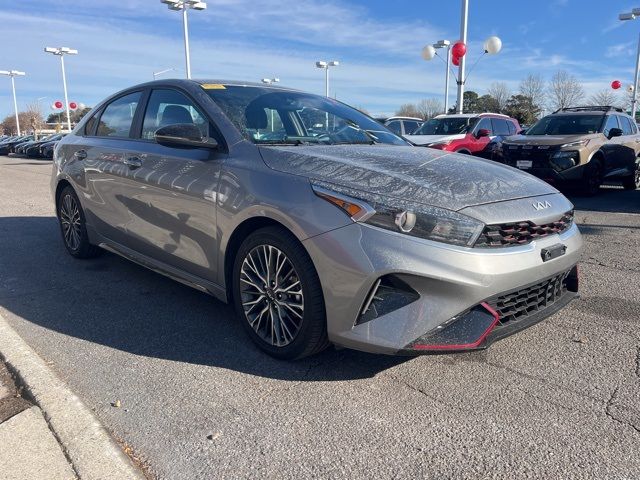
(197, 400)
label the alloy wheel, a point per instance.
(71, 222)
(271, 295)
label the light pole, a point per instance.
(185, 5)
(326, 65)
(269, 81)
(156, 74)
(61, 52)
(635, 13)
(447, 44)
(13, 74)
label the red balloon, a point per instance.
(73, 105)
(456, 61)
(58, 104)
(616, 84)
(459, 49)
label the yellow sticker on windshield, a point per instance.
(213, 86)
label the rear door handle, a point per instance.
(80, 154)
(133, 162)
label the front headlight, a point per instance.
(579, 143)
(423, 221)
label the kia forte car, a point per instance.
(319, 224)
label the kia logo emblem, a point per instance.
(541, 205)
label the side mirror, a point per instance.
(615, 132)
(183, 135)
(522, 132)
(483, 132)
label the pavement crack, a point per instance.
(638, 362)
(609, 411)
(421, 391)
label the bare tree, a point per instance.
(605, 97)
(533, 86)
(429, 108)
(29, 121)
(408, 110)
(501, 94)
(565, 90)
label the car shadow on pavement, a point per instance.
(113, 302)
(608, 199)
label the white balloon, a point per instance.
(492, 45)
(630, 89)
(428, 52)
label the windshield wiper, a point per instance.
(281, 142)
(357, 127)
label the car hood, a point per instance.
(548, 139)
(421, 175)
(426, 139)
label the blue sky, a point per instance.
(377, 42)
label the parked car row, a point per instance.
(28, 146)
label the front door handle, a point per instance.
(80, 154)
(133, 162)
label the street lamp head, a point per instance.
(5, 72)
(276, 79)
(266, 80)
(334, 63)
(626, 16)
(442, 44)
(198, 5)
(68, 51)
(321, 64)
(636, 12)
(17, 73)
(51, 50)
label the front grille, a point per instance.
(526, 301)
(521, 233)
(539, 155)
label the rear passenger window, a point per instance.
(410, 127)
(612, 122)
(500, 127)
(512, 128)
(170, 107)
(118, 115)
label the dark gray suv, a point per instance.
(318, 223)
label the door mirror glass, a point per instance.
(483, 132)
(615, 132)
(183, 135)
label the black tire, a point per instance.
(592, 178)
(311, 334)
(77, 242)
(632, 182)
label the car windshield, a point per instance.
(447, 126)
(566, 125)
(271, 116)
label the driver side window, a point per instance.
(612, 122)
(169, 107)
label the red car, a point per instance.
(478, 134)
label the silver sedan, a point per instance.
(319, 224)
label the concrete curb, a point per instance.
(92, 451)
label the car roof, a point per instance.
(472, 115)
(400, 117)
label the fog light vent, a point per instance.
(389, 293)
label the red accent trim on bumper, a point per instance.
(464, 346)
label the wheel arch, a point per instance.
(62, 184)
(242, 231)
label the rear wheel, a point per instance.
(633, 181)
(592, 178)
(277, 295)
(73, 225)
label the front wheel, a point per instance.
(633, 181)
(73, 225)
(592, 178)
(278, 296)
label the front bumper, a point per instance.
(451, 283)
